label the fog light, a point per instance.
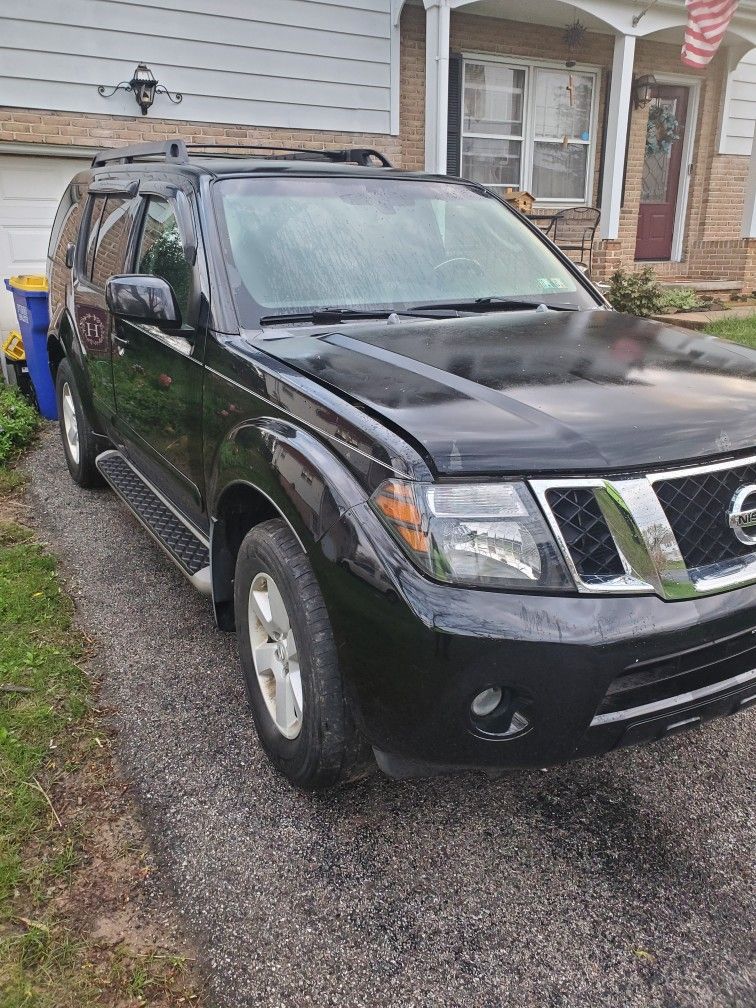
(486, 702)
(498, 712)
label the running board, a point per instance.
(183, 543)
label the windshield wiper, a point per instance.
(497, 304)
(332, 316)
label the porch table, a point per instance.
(542, 220)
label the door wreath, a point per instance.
(661, 131)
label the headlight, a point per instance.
(484, 534)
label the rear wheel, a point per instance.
(289, 661)
(79, 440)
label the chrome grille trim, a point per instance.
(645, 542)
(661, 706)
(671, 474)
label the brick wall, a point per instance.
(63, 128)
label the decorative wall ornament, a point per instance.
(145, 87)
(574, 39)
(643, 90)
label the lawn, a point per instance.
(739, 330)
(59, 794)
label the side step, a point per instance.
(184, 544)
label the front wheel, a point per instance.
(79, 440)
(289, 661)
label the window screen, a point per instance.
(528, 127)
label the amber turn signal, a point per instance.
(396, 502)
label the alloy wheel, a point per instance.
(274, 652)
(70, 425)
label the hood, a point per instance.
(540, 392)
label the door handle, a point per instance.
(121, 343)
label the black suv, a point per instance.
(457, 510)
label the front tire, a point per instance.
(79, 440)
(289, 661)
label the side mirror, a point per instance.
(70, 254)
(147, 299)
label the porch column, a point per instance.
(437, 18)
(615, 141)
(749, 211)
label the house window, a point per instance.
(528, 127)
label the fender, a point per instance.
(265, 467)
(305, 481)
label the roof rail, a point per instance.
(171, 150)
(177, 150)
(352, 155)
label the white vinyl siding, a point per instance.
(739, 108)
(297, 64)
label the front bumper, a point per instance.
(415, 653)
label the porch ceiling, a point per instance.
(663, 20)
(555, 13)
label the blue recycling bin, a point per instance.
(30, 297)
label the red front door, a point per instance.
(661, 172)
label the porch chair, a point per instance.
(573, 230)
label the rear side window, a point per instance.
(65, 230)
(60, 234)
(161, 252)
(95, 213)
(112, 239)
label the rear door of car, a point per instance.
(101, 252)
(157, 370)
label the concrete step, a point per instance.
(704, 286)
(701, 319)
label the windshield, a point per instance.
(295, 244)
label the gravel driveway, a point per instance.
(616, 882)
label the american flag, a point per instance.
(707, 23)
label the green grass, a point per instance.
(44, 701)
(51, 755)
(739, 330)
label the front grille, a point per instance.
(585, 532)
(697, 507)
(680, 673)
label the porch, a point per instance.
(518, 96)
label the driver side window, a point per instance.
(161, 252)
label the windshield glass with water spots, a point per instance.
(294, 244)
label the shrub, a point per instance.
(635, 293)
(673, 299)
(18, 423)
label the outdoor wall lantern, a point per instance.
(643, 90)
(144, 86)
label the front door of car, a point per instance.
(157, 370)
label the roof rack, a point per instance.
(171, 150)
(178, 150)
(350, 155)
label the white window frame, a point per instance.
(528, 138)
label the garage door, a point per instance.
(30, 190)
